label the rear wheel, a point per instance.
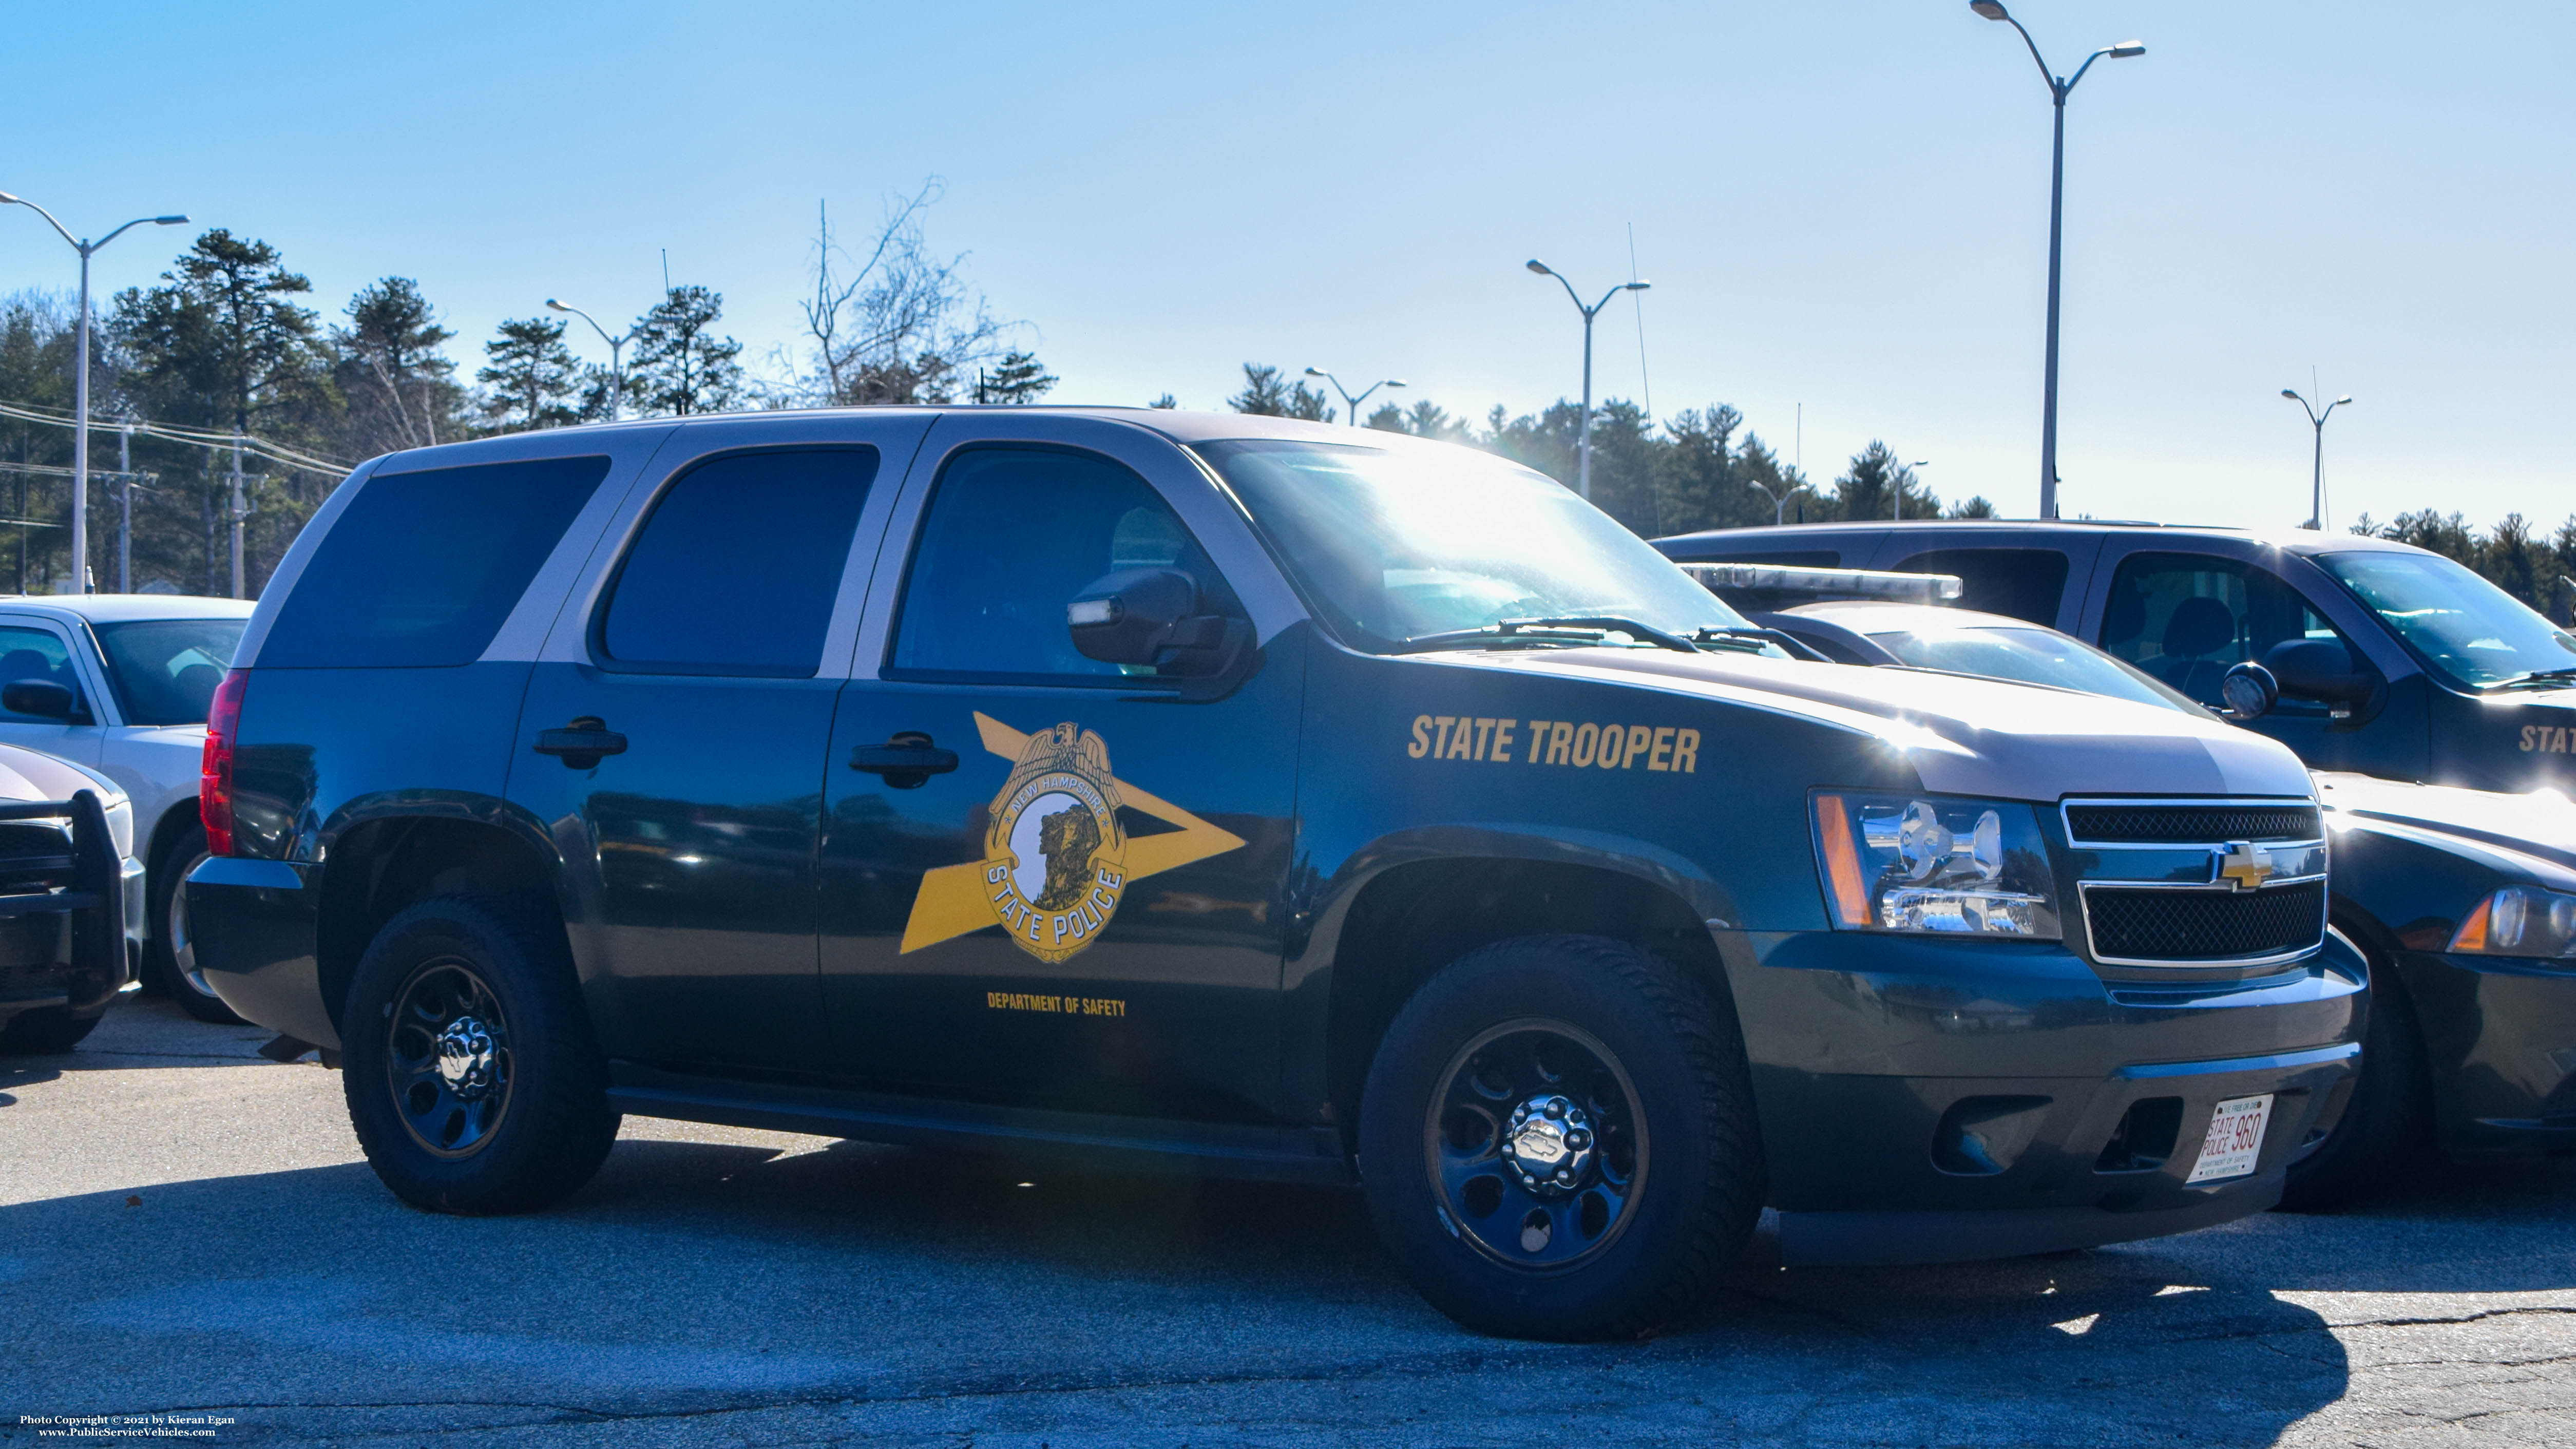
(471, 1073)
(168, 950)
(1558, 1140)
(44, 1031)
(2387, 1118)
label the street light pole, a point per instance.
(1583, 446)
(616, 356)
(2317, 479)
(1900, 486)
(2058, 90)
(1348, 401)
(80, 379)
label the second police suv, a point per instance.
(1223, 793)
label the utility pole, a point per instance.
(2058, 91)
(1349, 402)
(125, 506)
(1583, 444)
(80, 387)
(2317, 477)
(240, 510)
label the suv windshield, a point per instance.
(165, 670)
(2030, 656)
(1391, 546)
(2467, 629)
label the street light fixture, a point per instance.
(2317, 480)
(1583, 469)
(616, 355)
(2058, 90)
(80, 378)
(1900, 486)
(1348, 401)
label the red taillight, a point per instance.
(215, 774)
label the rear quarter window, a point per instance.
(422, 567)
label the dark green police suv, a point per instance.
(1238, 795)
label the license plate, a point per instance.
(2235, 1139)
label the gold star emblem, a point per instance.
(2244, 866)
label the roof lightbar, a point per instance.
(1720, 578)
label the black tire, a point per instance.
(45, 1031)
(169, 960)
(2389, 1117)
(1597, 1258)
(515, 1117)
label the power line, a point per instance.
(193, 437)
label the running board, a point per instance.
(1268, 1154)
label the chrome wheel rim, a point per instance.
(1534, 1145)
(174, 928)
(447, 1058)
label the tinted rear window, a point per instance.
(2026, 583)
(423, 567)
(736, 570)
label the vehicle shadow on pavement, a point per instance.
(892, 1287)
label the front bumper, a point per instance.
(2500, 1037)
(1930, 1101)
(77, 944)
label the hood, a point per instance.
(2542, 823)
(1965, 736)
(28, 775)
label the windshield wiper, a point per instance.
(1746, 637)
(1534, 631)
(2537, 676)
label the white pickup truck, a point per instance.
(134, 674)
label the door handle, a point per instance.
(907, 761)
(582, 744)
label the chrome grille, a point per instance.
(2197, 823)
(2204, 927)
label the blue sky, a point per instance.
(1842, 206)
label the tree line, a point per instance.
(227, 339)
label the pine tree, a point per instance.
(1267, 393)
(1019, 378)
(401, 389)
(531, 376)
(682, 366)
(1875, 485)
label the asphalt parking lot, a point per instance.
(187, 1230)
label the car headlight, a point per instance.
(2520, 921)
(1948, 867)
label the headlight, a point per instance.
(1950, 867)
(2520, 921)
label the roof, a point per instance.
(1888, 616)
(2004, 531)
(118, 608)
(1172, 423)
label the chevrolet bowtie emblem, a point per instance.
(2242, 865)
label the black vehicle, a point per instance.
(1237, 795)
(71, 894)
(2386, 659)
(2464, 900)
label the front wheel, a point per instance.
(1558, 1140)
(170, 952)
(2389, 1114)
(472, 1077)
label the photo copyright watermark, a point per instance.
(126, 1426)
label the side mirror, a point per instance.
(39, 697)
(1157, 618)
(2250, 691)
(2325, 670)
(1144, 617)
